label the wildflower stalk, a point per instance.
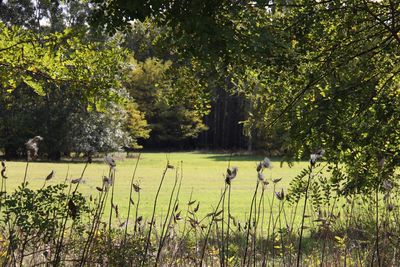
(136, 213)
(210, 226)
(163, 233)
(261, 203)
(230, 176)
(222, 246)
(377, 224)
(302, 217)
(184, 228)
(112, 206)
(280, 211)
(96, 219)
(26, 172)
(255, 222)
(348, 222)
(328, 221)
(249, 223)
(229, 224)
(152, 216)
(3, 181)
(130, 197)
(265, 253)
(64, 224)
(173, 217)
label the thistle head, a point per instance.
(266, 163)
(110, 161)
(32, 147)
(280, 195)
(316, 156)
(260, 176)
(231, 174)
(277, 180)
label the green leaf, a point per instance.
(36, 86)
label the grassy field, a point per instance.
(351, 238)
(202, 176)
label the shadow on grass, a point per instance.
(233, 158)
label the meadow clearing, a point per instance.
(203, 177)
(200, 218)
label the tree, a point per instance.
(338, 88)
(173, 103)
(326, 71)
(50, 82)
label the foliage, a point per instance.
(135, 124)
(340, 90)
(314, 74)
(34, 217)
(44, 15)
(172, 100)
(38, 212)
(78, 87)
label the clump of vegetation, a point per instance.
(312, 224)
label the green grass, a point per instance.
(202, 174)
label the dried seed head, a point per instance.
(194, 223)
(99, 189)
(260, 176)
(277, 180)
(320, 153)
(32, 147)
(316, 156)
(178, 217)
(280, 195)
(169, 166)
(51, 175)
(46, 251)
(75, 181)
(386, 196)
(136, 187)
(3, 175)
(313, 159)
(387, 185)
(197, 207)
(116, 210)
(110, 161)
(259, 166)
(266, 163)
(390, 207)
(73, 209)
(107, 181)
(231, 174)
(3, 170)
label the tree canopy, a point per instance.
(313, 73)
